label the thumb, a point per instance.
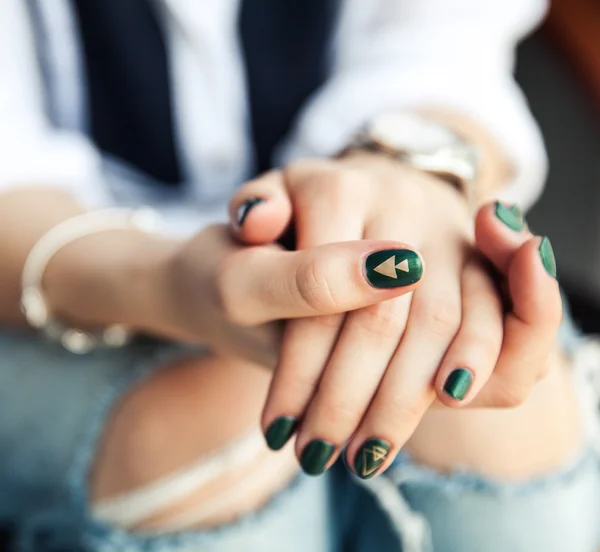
(268, 283)
(500, 230)
(261, 210)
(530, 327)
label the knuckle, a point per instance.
(386, 319)
(340, 186)
(338, 412)
(313, 286)
(510, 395)
(441, 317)
(327, 321)
(481, 343)
(413, 197)
(402, 410)
(339, 180)
(294, 383)
(398, 409)
(299, 169)
(225, 296)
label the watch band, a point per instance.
(455, 165)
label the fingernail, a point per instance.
(315, 456)
(458, 383)
(371, 457)
(393, 268)
(280, 431)
(511, 216)
(246, 207)
(548, 258)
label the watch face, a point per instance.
(410, 132)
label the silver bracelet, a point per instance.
(33, 302)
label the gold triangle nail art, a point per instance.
(391, 268)
(372, 457)
(403, 265)
(387, 267)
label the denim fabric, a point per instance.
(53, 407)
(468, 513)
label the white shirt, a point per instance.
(388, 54)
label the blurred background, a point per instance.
(559, 71)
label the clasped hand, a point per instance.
(371, 340)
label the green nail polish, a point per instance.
(280, 431)
(548, 258)
(371, 457)
(458, 383)
(315, 456)
(246, 207)
(393, 268)
(510, 216)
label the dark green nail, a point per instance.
(458, 383)
(371, 457)
(315, 456)
(280, 431)
(393, 268)
(511, 216)
(246, 207)
(548, 258)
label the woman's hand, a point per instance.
(367, 378)
(229, 297)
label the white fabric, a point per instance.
(454, 54)
(31, 151)
(388, 54)
(131, 508)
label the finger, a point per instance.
(473, 354)
(407, 388)
(300, 369)
(308, 342)
(261, 210)
(363, 351)
(262, 284)
(500, 230)
(530, 329)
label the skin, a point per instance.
(194, 291)
(374, 372)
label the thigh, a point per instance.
(58, 412)
(50, 402)
(519, 479)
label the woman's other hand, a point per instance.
(366, 378)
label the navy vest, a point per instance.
(286, 50)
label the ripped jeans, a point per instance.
(46, 451)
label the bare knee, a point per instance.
(191, 407)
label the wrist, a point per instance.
(399, 173)
(494, 169)
(443, 143)
(112, 277)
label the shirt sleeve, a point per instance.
(452, 54)
(32, 152)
